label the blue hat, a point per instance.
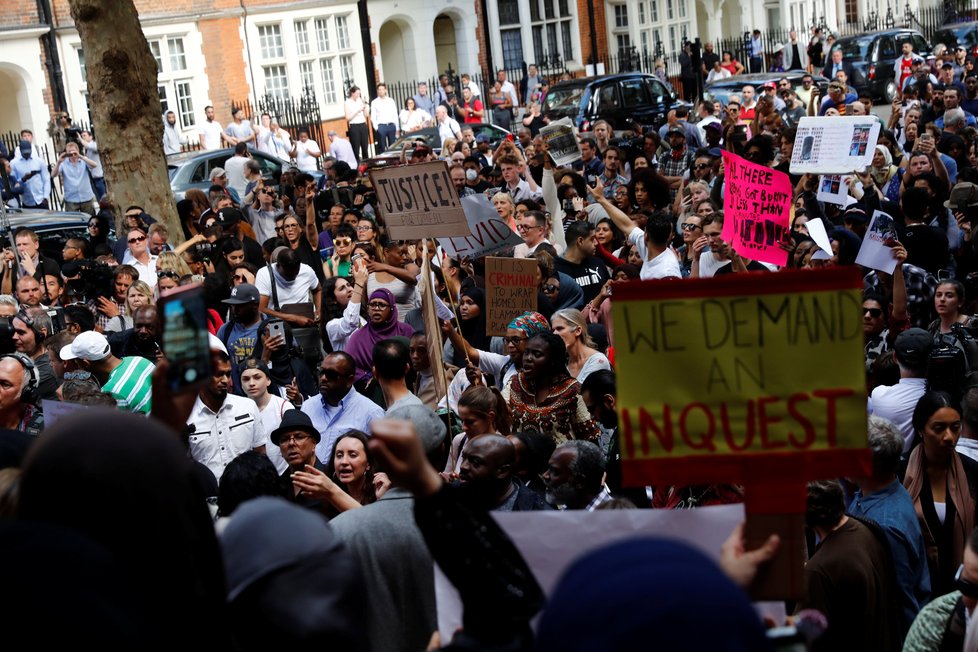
(25, 148)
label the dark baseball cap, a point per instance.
(244, 293)
(913, 347)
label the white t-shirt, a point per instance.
(210, 134)
(665, 265)
(305, 161)
(296, 291)
(235, 169)
(269, 419)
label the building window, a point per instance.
(641, 13)
(154, 47)
(346, 68)
(852, 11)
(512, 42)
(308, 77)
(322, 34)
(624, 44)
(682, 8)
(672, 38)
(645, 42)
(178, 58)
(342, 33)
(538, 52)
(185, 102)
(270, 38)
(621, 16)
(329, 80)
(276, 81)
(564, 8)
(656, 39)
(81, 64)
(669, 10)
(509, 14)
(302, 36)
(565, 32)
(654, 10)
(164, 102)
(535, 11)
(548, 9)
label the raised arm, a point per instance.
(312, 231)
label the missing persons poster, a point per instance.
(834, 145)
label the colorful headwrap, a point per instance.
(530, 323)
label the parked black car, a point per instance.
(404, 146)
(619, 99)
(963, 34)
(872, 57)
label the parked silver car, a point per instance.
(193, 169)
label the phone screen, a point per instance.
(185, 341)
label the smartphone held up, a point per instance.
(186, 346)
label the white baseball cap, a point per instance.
(90, 345)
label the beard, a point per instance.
(560, 495)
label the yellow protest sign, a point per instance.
(734, 378)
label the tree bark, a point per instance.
(126, 111)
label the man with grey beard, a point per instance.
(574, 476)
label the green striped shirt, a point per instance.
(131, 383)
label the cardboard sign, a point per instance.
(757, 209)
(561, 139)
(419, 201)
(746, 378)
(876, 250)
(489, 234)
(834, 145)
(511, 290)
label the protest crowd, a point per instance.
(369, 405)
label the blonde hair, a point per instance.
(144, 289)
(504, 196)
(173, 262)
(575, 318)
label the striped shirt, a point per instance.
(131, 383)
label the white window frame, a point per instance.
(177, 56)
(185, 102)
(342, 24)
(302, 43)
(276, 85)
(270, 42)
(323, 42)
(327, 75)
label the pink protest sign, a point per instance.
(756, 209)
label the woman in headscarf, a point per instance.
(126, 482)
(471, 322)
(382, 324)
(543, 397)
(98, 233)
(882, 169)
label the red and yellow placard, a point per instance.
(741, 378)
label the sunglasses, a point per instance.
(167, 273)
(297, 438)
(137, 239)
(343, 242)
(967, 587)
(689, 226)
(550, 288)
(875, 313)
(700, 166)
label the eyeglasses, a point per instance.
(875, 313)
(138, 238)
(689, 226)
(295, 437)
(93, 225)
(343, 242)
(279, 228)
(364, 228)
(375, 305)
(524, 227)
(515, 341)
(550, 288)
(967, 587)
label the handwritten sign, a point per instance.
(772, 382)
(489, 234)
(511, 290)
(834, 145)
(419, 201)
(757, 209)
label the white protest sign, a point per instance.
(816, 229)
(552, 541)
(875, 251)
(561, 139)
(832, 189)
(489, 234)
(834, 145)
(419, 201)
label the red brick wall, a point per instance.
(601, 35)
(480, 37)
(223, 51)
(18, 13)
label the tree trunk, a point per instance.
(125, 107)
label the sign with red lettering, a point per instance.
(511, 290)
(741, 379)
(419, 201)
(757, 209)
(489, 233)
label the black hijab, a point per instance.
(126, 482)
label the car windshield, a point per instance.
(563, 98)
(855, 48)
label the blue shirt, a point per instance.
(892, 508)
(38, 187)
(354, 412)
(241, 344)
(74, 178)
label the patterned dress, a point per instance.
(562, 414)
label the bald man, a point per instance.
(487, 480)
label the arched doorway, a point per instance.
(397, 54)
(446, 50)
(15, 109)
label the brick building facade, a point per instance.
(209, 52)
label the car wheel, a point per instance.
(890, 91)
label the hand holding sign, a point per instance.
(757, 209)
